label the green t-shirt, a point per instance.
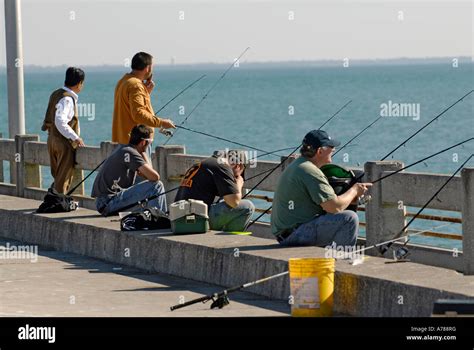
(301, 189)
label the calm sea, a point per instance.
(272, 107)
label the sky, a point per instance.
(83, 32)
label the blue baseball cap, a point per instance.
(319, 138)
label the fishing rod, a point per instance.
(180, 93)
(383, 247)
(278, 150)
(264, 154)
(143, 202)
(221, 299)
(209, 91)
(288, 148)
(415, 163)
(401, 144)
(422, 160)
(294, 150)
(356, 136)
(390, 174)
(84, 179)
(424, 126)
(258, 217)
(165, 132)
(335, 114)
(401, 253)
(224, 139)
(419, 130)
(272, 152)
(404, 142)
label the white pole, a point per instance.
(14, 46)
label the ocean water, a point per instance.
(272, 107)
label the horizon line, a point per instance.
(276, 62)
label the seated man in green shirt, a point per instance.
(306, 211)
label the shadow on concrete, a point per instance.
(69, 216)
(249, 248)
(178, 284)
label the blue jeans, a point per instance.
(131, 195)
(224, 218)
(341, 228)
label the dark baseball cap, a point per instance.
(319, 138)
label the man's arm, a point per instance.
(233, 200)
(140, 113)
(64, 108)
(137, 99)
(148, 173)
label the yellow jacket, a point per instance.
(132, 106)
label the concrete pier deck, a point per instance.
(373, 288)
(69, 285)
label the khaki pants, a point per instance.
(62, 158)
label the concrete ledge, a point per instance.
(7, 189)
(371, 289)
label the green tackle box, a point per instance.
(189, 216)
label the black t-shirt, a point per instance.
(206, 180)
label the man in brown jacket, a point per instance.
(62, 123)
(132, 104)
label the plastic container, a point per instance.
(312, 287)
(189, 216)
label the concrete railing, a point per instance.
(385, 213)
(26, 154)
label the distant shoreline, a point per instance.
(267, 64)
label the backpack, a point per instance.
(145, 219)
(55, 202)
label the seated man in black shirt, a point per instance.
(220, 176)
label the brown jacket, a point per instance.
(132, 106)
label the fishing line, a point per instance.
(424, 126)
(209, 91)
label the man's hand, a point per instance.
(167, 124)
(79, 143)
(361, 188)
(150, 84)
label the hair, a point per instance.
(74, 76)
(141, 60)
(308, 151)
(140, 133)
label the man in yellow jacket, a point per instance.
(132, 103)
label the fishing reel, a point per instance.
(166, 132)
(342, 179)
(400, 254)
(220, 301)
